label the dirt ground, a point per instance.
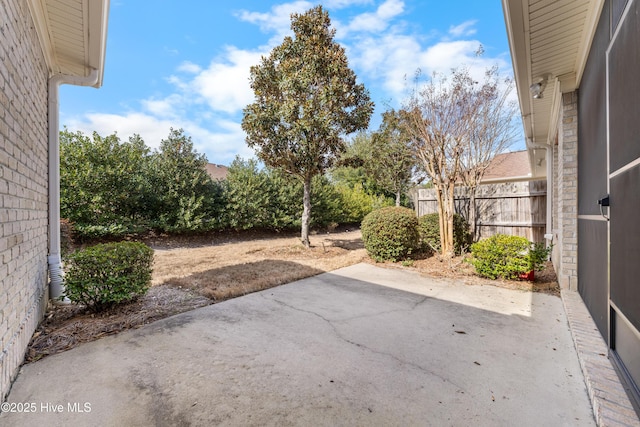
(191, 272)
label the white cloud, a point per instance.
(277, 20)
(150, 128)
(373, 21)
(189, 67)
(206, 103)
(341, 4)
(464, 29)
(385, 54)
(393, 59)
(390, 9)
(220, 146)
(390, 60)
(224, 85)
(166, 107)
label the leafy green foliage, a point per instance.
(103, 181)
(268, 198)
(390, 233)
(350, 169)
(355, 203)
(507, 256)
(110, 188)
(67, 236)
(182, 184)
(107, 274)
(248, 193)
(306, 99)
(429, 227)
(538, 255)
(111, 231)
(390, 159)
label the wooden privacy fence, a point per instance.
(514, 208)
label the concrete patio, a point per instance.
(358, 346)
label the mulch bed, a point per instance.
(67, 326)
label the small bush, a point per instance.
(390, 233)
(538, 255)
(429, 227)
(507, 256)
(107, 274)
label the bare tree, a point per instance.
(458, 125)
(437, 116)
(491, 132)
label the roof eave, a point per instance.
(517, 20)
(94, 24)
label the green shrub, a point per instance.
(107, 274)
(390, 233)
(538, 255)
(355, 203)
(507, 256)
(429, 227)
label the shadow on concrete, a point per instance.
(343, 348)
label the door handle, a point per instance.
(604, 202)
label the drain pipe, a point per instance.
(549, 226)
(56, 273)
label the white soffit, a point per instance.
(73, 34)
(549, 41)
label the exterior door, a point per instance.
(623, 118)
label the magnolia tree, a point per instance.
(306, 101)
(457, 125)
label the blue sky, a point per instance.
(185, 63)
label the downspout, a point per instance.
(56, 273)
(548, 235)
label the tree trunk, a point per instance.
(442, 219)
(451, 209)
(306, 212)
(446, 209)
(398, 194)
(473, 226)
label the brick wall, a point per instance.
(23, 186)
(567, 194)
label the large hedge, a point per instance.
(112, 188)
(107, 274)
(390, 233)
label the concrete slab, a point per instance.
(359, 346)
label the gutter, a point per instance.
(56, 273)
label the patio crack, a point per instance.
(369, 349)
